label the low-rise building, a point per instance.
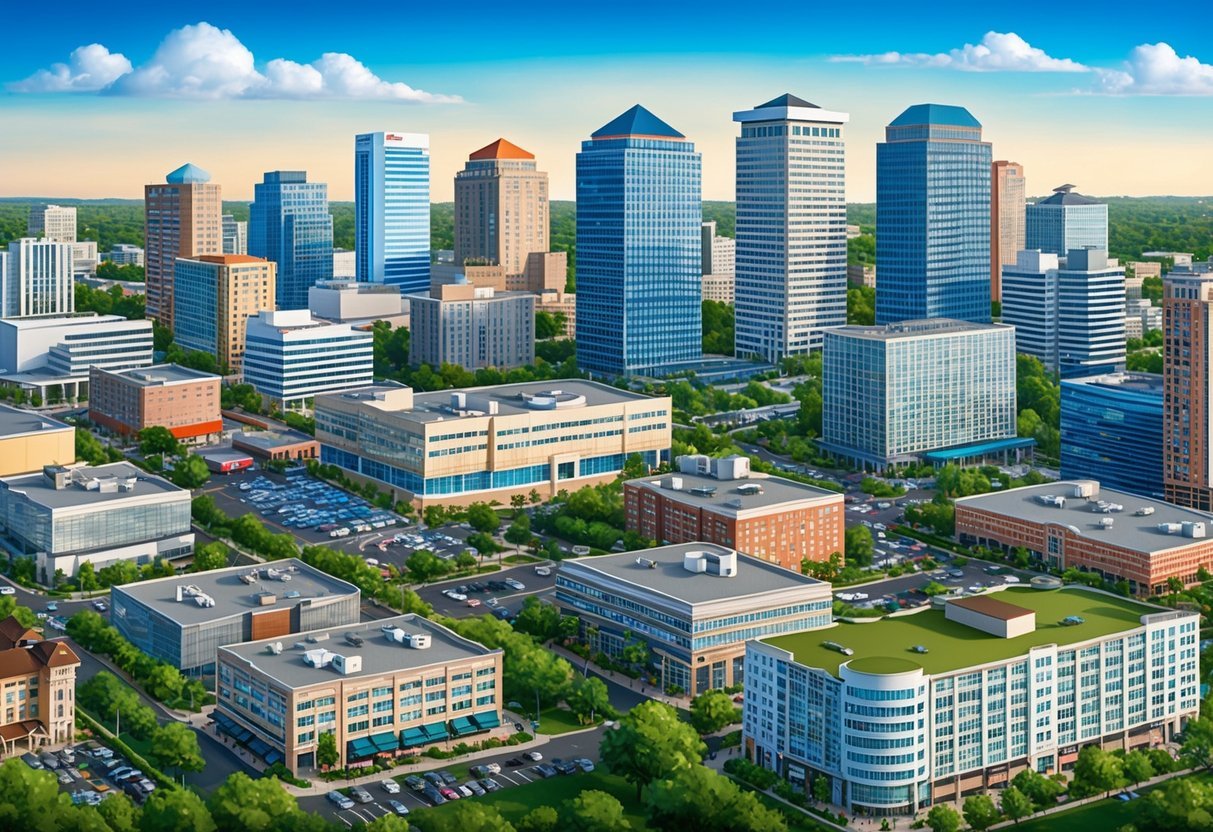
(384, 688)
(276, 444)
(486, 443)
(692, 605)
(65, 517)
(861, 274)
(167, 395)
(184, 619)
(719, 287)
(722, 501)
(124, 254)
(31, 441)
(291, 357)
(1111, 431)
(39, 682)
(471, 326)
(351, 302)
(559, 302)
(1081, 524)
(906, 712)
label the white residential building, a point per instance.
(290, 357)
(36, 279)
(56, 223)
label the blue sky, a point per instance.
(1116, 100)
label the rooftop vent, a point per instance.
(1106, 522)
(316, 638)
(749, 489)
(250, 578)
(1052, 500)
(1144, 511)
(703, 491)
(345, 665)
(646, 563)
(274, 647)
(1170, 528)
(418, 641)
(318, 657)
(265, 599)
(193, 593)
(1193, 528)
(711, 563)
(672, 484)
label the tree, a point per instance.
(190, 472)
(1184, 804)
(1095, 771)
(1197, 746)
(164, 682)
(589, 699)
(209, 556)
(519, 532)
(158, 440)
(713, 710)
(943, 818)
(121, 815)
(24, 615)
(1041, 790)
(251, 805)
(175, 746)
(696, 797)
(539, 819)
(425, 566)
(170, 810)
(388, 823)
(651, 742)
(1137, 766)
(538, 618)
(859, 546)
(464, 816)
(593, 811)
(465, 560)
(482, 518)
(29, 799)
(326, 750)
(1015, 804)
(821, 789)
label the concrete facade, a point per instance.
(1007, 218)
(30, 441)
(472, 327)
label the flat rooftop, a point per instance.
(380, 655)
(913, 329)
(1131, 530)
(886, 645)
(16, 422)
(669, 577)
(731, 497)
(992, 607)
(91, 486)
(268, 440)
(1148, 383)
(160, 374)
(234, 596)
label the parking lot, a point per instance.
(90, 772)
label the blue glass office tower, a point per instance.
(933, 217)
(289, 223)
(392, 210)
(638, 248)
(1066, 221)
(1111, 431)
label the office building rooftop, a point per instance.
(1064, 195)
(636, 122)
(945, 114)
(1128, 382)
(188, 174)
(161, 375)
(913, 329)
(732, 496)
(16, 422)
(59, 487)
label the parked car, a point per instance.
(568, 768)
(100, 606)
(398, 807)
(448, 793)
(543, 571)
(32, 761)
(361, 795)
(340, 800)
(7, 590)
(586, 764)
(434, 778)
(448, 779)
(472, 602)
(473, 787)
(415, 783)
(433, 796)
(515, 584)
(545, 770)
(391, 786)
(533, 756)
(490, 785)
(513, 762)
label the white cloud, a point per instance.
(997, 52)
(1157, 69)
(88, 69)
(204, 61)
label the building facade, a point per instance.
(1111, 431)
(501, 208)
(1008, 195)
(235, 235)
(482, 443)
(53, 223)
(184, 401)
(182, 218)
(392, 209)
(36, 279)
(638, 248)
(719, 264)
(123, 254)
(471, 327)
(351, 302)
(217, 295)
(791, 274)
(290, 224)
(1066, 221)
(39, 680)
(290, 357)
(933, 217)
(1187, 377)
(895, 393)
(30, 441)
(894, 734)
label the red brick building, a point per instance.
(168, 395)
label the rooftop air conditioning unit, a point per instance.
(346, 665)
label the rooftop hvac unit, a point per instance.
(316, 638)
(749, 489)
(265, 599)
(1085, 488)
(1144, 511)
(673, 483)
(274, 647)
(346, 665)
(1106, 522)
(723, 565)
(1052, 500)
(250, 578)
(318, 657)
(1170, 528)
(646, 563)
(418, 641)
(1193, 528)
(395, 634)
(694, 464)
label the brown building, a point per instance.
(182, 218)
(1187, 372)
(1007, 220)
(30, 441)
(217, 295)
(39, 682)
(501, 208)
(277, 444)
(721, 501)
(167, 395)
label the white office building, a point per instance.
(124, 254)
(290, 357)
(351, 302)
(47, 352)
(36, 279)
(791, 272)
(392, 209)
(55, 223)
(719, 264)
(235, 235)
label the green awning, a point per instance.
(361, 747)
(487, 720)
(435, 731)
(461, 726)
(386, 741)
(412, 737)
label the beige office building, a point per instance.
(215, 296)
(472, 327)
(1007, 229)
(501, 207)
(182, 218)
(54, 223)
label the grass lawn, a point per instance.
(515, 802)
(1107, 814)
(558, 721)
(518, 558)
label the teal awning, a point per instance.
(412, 737)
(435, 731)
(361, 747)
(386, 741)
(487, 720)
(461, 725)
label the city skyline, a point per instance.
(300, 92)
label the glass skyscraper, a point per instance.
(1111, 431)
(638, 248)
(1066, 221)
(933, 217)
(791, 260)
(392, 209)
(289, 223)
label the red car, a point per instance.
(448, 793)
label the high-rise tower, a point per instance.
(392, 209)
(289, 223)
(182, 218)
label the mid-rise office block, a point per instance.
(721, 501)
(472, 327)
(1067, 221)
(351, 302)
(1111, 431)
(290, 357)
(84, 258)
(904, 713)
(36, 279)
(639, 306)
(693, 605)
(938, 389)
(384, 688)
(53, 223)
(66, 517)
(1007, 235)
(484, 443)
(1142, 269)
(933, 217)
(124, 255)
(557, 302)
(501, 208)
(185, 619)
(1187, 371)
(289, 223)
(235, 235)
(719, 265)
(30, 441)
(791, 275)
(217, 295)
(39, 679)
(182, 218)
(167, 395)
(392, 209)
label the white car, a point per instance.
(457, 596)
(533, 756)
(513, 583)
(372, 562)
(494, 768)
(7, 590)
(391, 786)
(1010, 579)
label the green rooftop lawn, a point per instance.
(885, 646)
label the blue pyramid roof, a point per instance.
(935, 114)
(787, 100)
(188, 174)
(637, 122)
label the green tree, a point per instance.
(482, 518)
(859, 545)
(718, 327)
(650, 743)
(24, 615)
(713, 710)
(1015, 804)
(190, 472)
(538, 618)
(158, 440)
(539, 819)
(589, 699)
(464, 816)
(172, 810)
(425, 566)
(1184, 804)
(164, 682)
(30, 799)
(121, 815)
(326, 750)
(519, 532)
(388, 823)
(943, 818)
(593, 811)
(821, 789)
(980, 812)
(213, 555)
(696, 797)
(1137, 766)
(86, 577)
(252, 805)
(1096, 771)
(549, 324)
(175, 746)
(1197, 747)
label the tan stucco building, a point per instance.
(501, 207)
(29, 441)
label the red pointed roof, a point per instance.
(500, 149)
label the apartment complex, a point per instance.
(1111, 431)
(290, 357)
(215, 297)
(791, 274)
(472, 327)
(1082, 524)
(53, 223)
(501, 208)
(385, 688)
(693, 605)
(1187, 374)
(39, 681)
(392, 209)
(167, 395)
(1066, 221)
(1007, 206)
(182, 218)
(722, 501)
(903, 713)
(30, 441)
(485, 443)
(36, 279)
(65, 517)
(185, 619)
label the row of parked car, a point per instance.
(305, 503)
(95, 771)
